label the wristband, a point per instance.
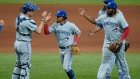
(77, 39)
(0, 27)
(46, 29)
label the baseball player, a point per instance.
(64, 32)
(25, 25)
(97, 29)
(1, 24)
(116, 29)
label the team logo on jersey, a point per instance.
(67, 38)
(116, 29)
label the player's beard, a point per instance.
(109, 12)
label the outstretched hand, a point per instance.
(89, 33)
(81, 11)
(44, 14)
(48, 17)
(1, 22)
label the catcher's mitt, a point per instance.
(75, 50)
(127, 45)
(115, 47)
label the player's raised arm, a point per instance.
(46, 27)
(43, 20)
(83, 13)
(95, 30)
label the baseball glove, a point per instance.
(127, 45)
(75, 50)
(115, 47)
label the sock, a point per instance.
(71, 74)
(121, 76)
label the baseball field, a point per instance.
(45, 56)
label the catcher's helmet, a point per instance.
(112, 5)
(28, 6)
(61, 13)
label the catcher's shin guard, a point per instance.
(21, 71)
(16, 72)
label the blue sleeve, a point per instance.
(101, 26)
(0, 27)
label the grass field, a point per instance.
(73, 2)
(48, 66)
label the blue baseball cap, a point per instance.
(61, 13)
(112, 5)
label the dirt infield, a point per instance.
(43, 43)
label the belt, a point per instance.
(23, 41)
(64, 47)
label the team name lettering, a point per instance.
(110, 23)
(63, 32)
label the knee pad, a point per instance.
(22, 70)
(17, 70)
